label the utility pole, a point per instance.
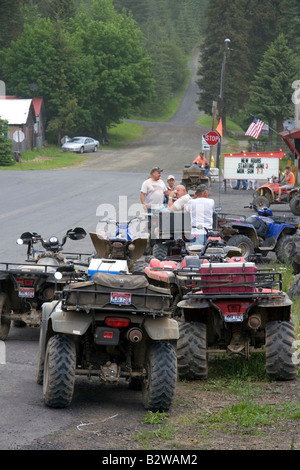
(221, 95)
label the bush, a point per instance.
(6, 154)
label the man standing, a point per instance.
(181, 199)
(201, 209)
(153, 190)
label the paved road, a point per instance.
(51, 202)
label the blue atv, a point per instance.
(259, 233)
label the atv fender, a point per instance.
(248, 230)
(162, 328)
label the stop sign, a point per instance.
(212, 138)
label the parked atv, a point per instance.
(24, 288)
(259, 233)
(267, 194)
(162, 273)
(169, 234)
(236, 308)
(118, 241)
(116, 327)
(193, 175)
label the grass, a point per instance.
(194, 423)
(46, 158)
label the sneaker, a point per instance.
(235, 187)
(244, 187)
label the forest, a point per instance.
(96, 62)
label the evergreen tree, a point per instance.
(6, 155)
(225, 20)
(271, 90)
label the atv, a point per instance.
(267, 194)
(193, 175)
(259, 233)
(169, 234)
(115, 327)
(236, 308)
(24, 288)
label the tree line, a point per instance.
(96, 62)
(262, 59)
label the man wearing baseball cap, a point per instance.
(153, 190)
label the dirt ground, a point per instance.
(192, 424)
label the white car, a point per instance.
(81, 144)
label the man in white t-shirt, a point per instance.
(201, 208)
(182, 198)
(153, 190)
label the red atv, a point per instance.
(267, 194)
(228, 306)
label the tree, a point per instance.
(270, 96)
(225, 19)
(6, 155)
(120, 67)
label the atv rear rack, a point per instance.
(107, 306)
(265, 283)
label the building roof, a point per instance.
(15, 111)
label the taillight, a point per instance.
(234, 308)
(117, 322)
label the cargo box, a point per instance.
(110, 266)
(217, 278)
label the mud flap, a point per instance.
(162, 328)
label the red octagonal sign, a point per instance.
(212, 138)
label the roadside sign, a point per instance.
(18, 136)
(212, 138)
(205, 146)
(252, 165)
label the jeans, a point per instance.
(199, 240)
(244, 183)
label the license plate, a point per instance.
(27, 292)
(237, 317)
(120, 298)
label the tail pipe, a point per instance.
(134, 335)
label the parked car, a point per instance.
(81, 144)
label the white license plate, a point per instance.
(27, 292)
(120, 298)
(237, 317)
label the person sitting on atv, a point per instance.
(201, 161)
(289, 180)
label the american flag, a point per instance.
(255, 128)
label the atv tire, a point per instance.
(192, 351)
(5, 307)
(161, 374)
(295, 205)
(160, 251)
(59, 371)
(294, 290)
(279, 349)
(244, 243)
(284, 248)
(261, 201)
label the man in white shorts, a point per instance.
(201, 208)
(153, 190)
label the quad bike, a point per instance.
(267, 194)
(229, 306)
(115, 327)
(162, 273)
(259, 233)
(193, 175)
(123, 244)
(24, 288)
(169, 234)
